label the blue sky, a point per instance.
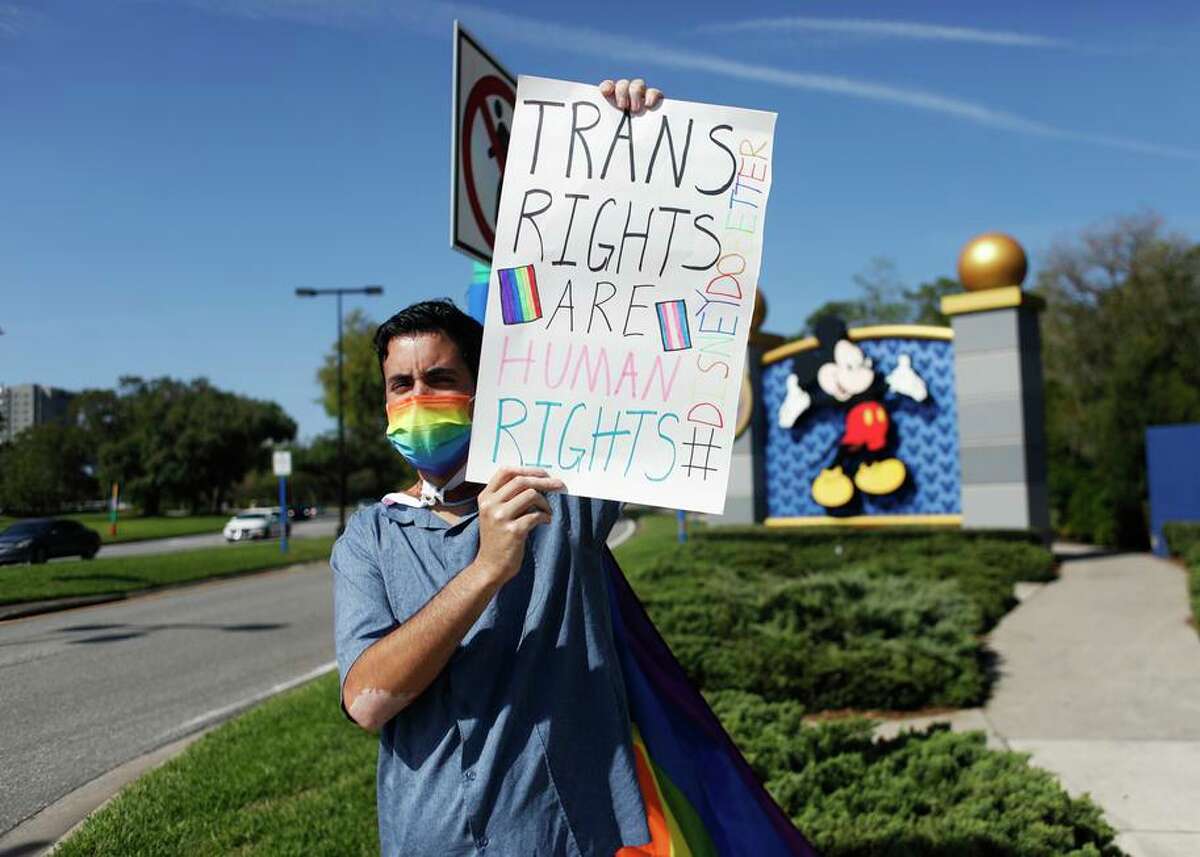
(171, 171)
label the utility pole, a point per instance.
(312, 293)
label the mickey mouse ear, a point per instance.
(829, 329)
(806, 364)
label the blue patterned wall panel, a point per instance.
(926, 432)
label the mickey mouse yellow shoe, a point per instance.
(832, 488)
(880, 477)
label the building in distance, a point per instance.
(25, 405)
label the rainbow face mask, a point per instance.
(432, 431)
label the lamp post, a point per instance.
(312, 293)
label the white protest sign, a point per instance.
(623, 279)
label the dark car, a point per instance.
(40, 539)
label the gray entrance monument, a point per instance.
(998, 380)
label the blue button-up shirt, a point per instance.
(521, 746)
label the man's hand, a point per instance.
(510, 506)
(631, 95)
(397, 668)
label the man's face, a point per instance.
(422, 364)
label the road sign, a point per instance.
(282, 462)
(484, 96)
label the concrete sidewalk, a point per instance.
(1100, 681)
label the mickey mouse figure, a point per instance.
(837, 373)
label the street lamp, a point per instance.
(312, 293)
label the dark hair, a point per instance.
(437, 316)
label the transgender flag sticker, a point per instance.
(673, 324)
(519, 300)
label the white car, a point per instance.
(252, 524)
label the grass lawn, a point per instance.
(137, 528)
(292, 776)
(20, 583)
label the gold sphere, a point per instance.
(759, 315)
(991, 261)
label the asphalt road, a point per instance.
(88, 689)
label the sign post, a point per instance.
(484, 98)
(282, 463)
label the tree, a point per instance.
(925, 301)
(165, 440)
(362, 382)
(373, 467)
(883, 299)
(44, 469)
(1120, 353)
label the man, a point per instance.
(472, 626)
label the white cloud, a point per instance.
(432, 16)
(15, 20)
(875, 28)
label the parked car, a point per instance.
(301, 513)
(40, 539)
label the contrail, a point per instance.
(888, 30)
(431, 17)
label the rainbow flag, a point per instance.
(702, 798)
(519, 300)
(673, 324)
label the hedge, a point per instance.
(877, 622)
(1183, 540)
(932, 793)
(1193, 563)
(1182, 537)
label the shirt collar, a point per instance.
(406, 508)
(431, 494)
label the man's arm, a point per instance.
(397, 668)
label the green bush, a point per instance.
(1193, 563)
(985, 565)
(891, 535)
(1182, 537)
(842, 620)
(932, 793)
(847, 639)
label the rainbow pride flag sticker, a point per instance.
(519, 299)
(673, 324)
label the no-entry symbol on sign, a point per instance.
(490, 103)
(484, 100)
